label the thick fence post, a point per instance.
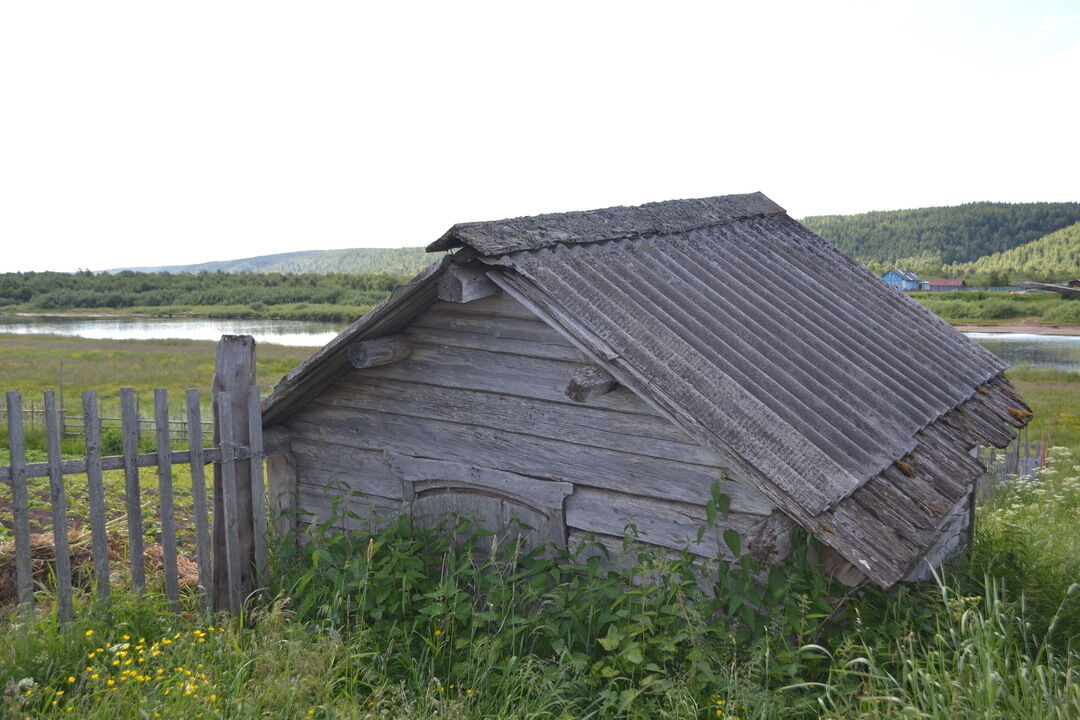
(234, 377)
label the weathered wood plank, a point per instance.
(354, 511)
(96, 490)
(165, 499)
(281, 476)
(440, 337)
(499, 304)
(378, 351)
(24, 578)
(534, 491)
(112, 462)
(258, 489)
(230, 514)
(368, 471)
(579, 424)
(465, 283)
(58, 499)
(498, 372)
(493, 326)
(234, 373)
(525, 455)
(198, 500)
(672, 525)
(589, 382)
(129, 431)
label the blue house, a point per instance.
(903, 280)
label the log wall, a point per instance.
(485, 389)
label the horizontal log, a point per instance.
(420, 473)
(500, 304)
(522, 454)
(580, 424)
(441, 337)
(501, 373)
(663, 523)
(378, 351)
(338, 466)
(589, 382)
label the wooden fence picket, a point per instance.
(165, 500)
(24, 578)
(198, 500)
(95, 485)
(58, 500)
(132, 492)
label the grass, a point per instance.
(32, 364)
(975, 307)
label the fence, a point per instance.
(75, 425)
(229, 567)
(1023, 457)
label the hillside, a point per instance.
(1053, 257)
(399, 261)
(931, 237)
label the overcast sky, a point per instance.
(147, 133)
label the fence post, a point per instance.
(234, 376)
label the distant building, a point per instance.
(1072, 283)
(903, 280)
(944, 285)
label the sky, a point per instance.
(145, 133)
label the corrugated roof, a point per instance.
(781, 347)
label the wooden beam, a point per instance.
(589, 382)
(379, 351)
(465, 283)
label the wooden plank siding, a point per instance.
(485, 386)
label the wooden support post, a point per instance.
(378, 351)
(589, 382)
(465, 283)
(234, 376)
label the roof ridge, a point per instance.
(501, 237)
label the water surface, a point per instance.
(297, 333)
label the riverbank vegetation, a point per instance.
(975, 307)
(334, 297)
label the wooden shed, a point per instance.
(587, 370)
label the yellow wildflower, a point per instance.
(89, 633)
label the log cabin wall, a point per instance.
(484, 392)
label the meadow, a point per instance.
(406, 623)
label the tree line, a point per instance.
(129, 289)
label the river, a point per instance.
(1052, 351)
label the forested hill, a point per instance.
(399, 261)
(1053, 257)
(929, 237)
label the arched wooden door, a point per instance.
(508, 504)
